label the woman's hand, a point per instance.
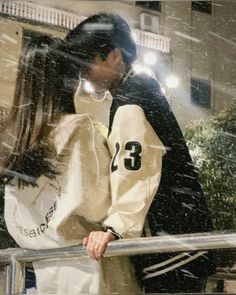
(96, 243)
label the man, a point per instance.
(104, 45)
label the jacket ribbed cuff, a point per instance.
(111, 230)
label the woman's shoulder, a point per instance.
(67, 129)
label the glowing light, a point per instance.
(87, 87)
(150, 58)
(172, 81)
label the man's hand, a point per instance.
(96, 243)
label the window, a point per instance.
(202, 6)
(201, 92)
(153, 5)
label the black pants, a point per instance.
(170, 283)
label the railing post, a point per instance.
(17, 277)
(8, 275)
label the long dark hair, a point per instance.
(40, 96)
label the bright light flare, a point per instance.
(172, 81)
(87, 87)
(150, 58)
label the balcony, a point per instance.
(153, 41)
(64, 19)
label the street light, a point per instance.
(172, 81)
(150, 58)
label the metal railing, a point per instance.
(16, 259)
(61, 18)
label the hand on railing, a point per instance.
(96, 243)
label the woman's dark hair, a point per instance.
(40, 96)
(98, 35)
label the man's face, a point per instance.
(102, 73)
(98, 73)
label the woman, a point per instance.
(55, 166)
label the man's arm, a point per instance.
(135, 170)
(135, 173)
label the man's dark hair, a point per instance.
(99, 35)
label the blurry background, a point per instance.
(190, 46)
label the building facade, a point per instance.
(193, 43)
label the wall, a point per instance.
(176, 24)
(203, 46)
(11, 34)
(224, 60)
